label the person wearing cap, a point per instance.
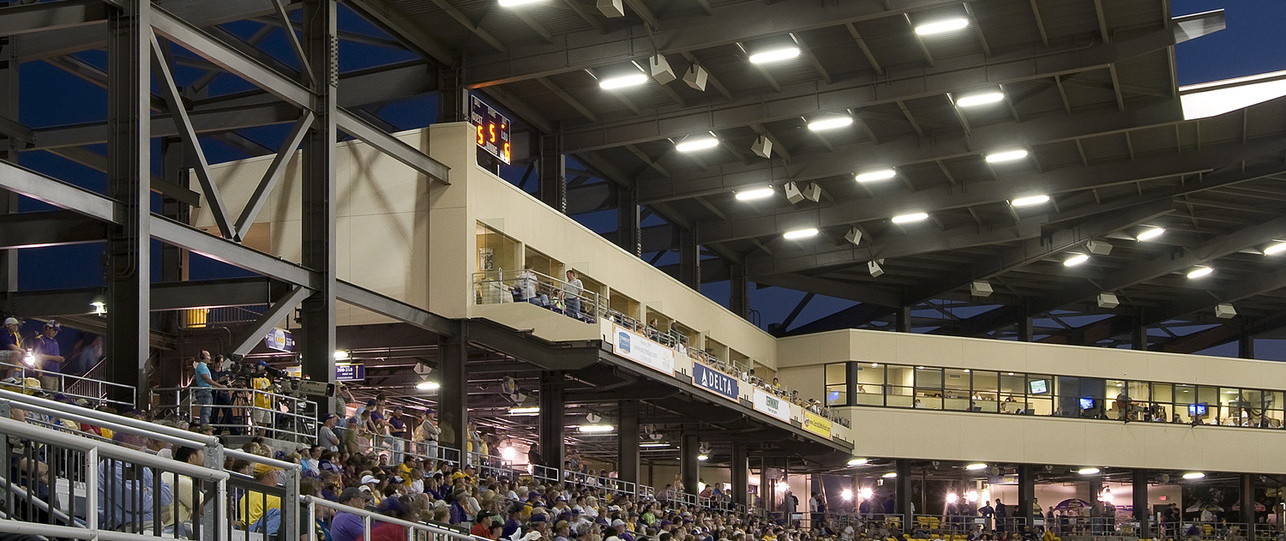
(427, 434)
(202, 382)
(255, 505)
(11, 342)
(326, 437)
(345, 526)
(48, 355)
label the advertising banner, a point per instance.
(279, 339)
(635, 347)
(713, 380)
(817, 424)
(766, 402)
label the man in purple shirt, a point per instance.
(345, 526)
(48, 355)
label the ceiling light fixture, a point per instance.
(593, 429)
(830, 123)
(980, 99)
(1005, 156)
(341, 355)
(697, 142)
(1030, 201)
(653, 445)
(428, 386)
(627, 80)
(910, 217)
(1275, 248)
(1075, 259)
(976, 466)
(890, 475)
(512, 3)
(703, 458)
(1149, 234)
(796, 234)
(876, 175)
(529, 410)
(1194, 475)
(768, 56)
(1088, 471)
(1200, 272)
(855, 461)
(942, 26)
(755, 193)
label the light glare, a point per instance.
(622, 81)
(1149, 234)
(910, 218)
(1075, 260)
(830, 123)
(590, 429)
(512, 3)
(755, 193)
(693, 144)
(1200, 272)
(341, 355)
(980, 99)
(800, 233)
(976, 466)
(1088, 471)
(428, 386)
(1030, 201)
(532, 410)
(774, 55)
(1007, 155)
(1194, 475)
(876, 175)
(1276, 248)
(942, 26)
(846, 495)
(857, 461)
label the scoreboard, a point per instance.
(490, 128)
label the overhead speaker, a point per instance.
(1098, 247)
(696, 77)
(854, 236)
(1108, 300)
(593, 418)
(875, 269)
(980, 288)
(1225, 310)
(661, 70)
(611, 8)
(796, 193)
(762, 147)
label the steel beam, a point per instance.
(392, 146)
(129, 261)
(273, 175)
(393, 308)
(949, 75)
(1064, 180)
(23, 19)
(835, 288)
(165, 296)
(48, 228)
(249, 338)
(318, 238)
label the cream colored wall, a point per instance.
(504, 207)
(810, 381)
(973, 437)
(382, 219)
(1001, 355)
(661, 475)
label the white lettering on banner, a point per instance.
(767, 403)
(636, 348)
(715, 381)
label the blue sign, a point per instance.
(350, 372)
(279, 340)
(714, 381)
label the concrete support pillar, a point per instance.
(689, 465)
(904, 505)
(552, 409)
(1138, 333)
(903, 323)
(627, 441)
(553, 173)
(1246, 494)
(689, 259)
(739, 302)
(1026, 329)
(1245, 342)
(740, 474)
(453, 104)
(629, 236)
(1140, 497)
(1026, 493)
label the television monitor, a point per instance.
(1038, 386)
(1197, 409)
(1087, 403)
(832, 396)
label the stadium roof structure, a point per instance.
(974, 148)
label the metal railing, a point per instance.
(415, 531)
(233, 410)
(203, 318)
(73, 487)
(496, 287)
(76, 387)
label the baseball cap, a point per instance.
(618, 522)
(12, 321)
(538, 517)
(369, 479)
(51, 324)
(328, 417)
(261, 470)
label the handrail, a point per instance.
(65, 387)
(31, 432)
(311, 501)
(125, 424)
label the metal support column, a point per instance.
(552, 412)
(1245, 342)
(629, 235)
(318, 194)
(453, 105)
(904, 507)
(903, 323)
(627, 440)
(689, 465)
(1026, 329)
(852, 371)
(1138, 333)
(740, 474)
(129, 175)
(689, 259)
(553, 173)
(9, 106)
(739, 302)
(1246, 494)
(1140, 497)
(453, 394)
(1026, 493)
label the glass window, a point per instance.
(870, 384)
(1273, 416)
(928, 387)
(1163, 402)
(955, 393)
(1209, 396)
(1013, 392)
(1185, 403)
(836, 384)
(901, 385)
(1067, 398)
(986, 391)
(1040, 395)
(1116, 408)
(1252, 406)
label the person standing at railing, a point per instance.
(201, 385)
(427, 434)
(396, 433)
(262, 415)
(49, 355)
(571, 294)
(326, 437)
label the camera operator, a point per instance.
(264, 403)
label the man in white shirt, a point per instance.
(571, 294)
